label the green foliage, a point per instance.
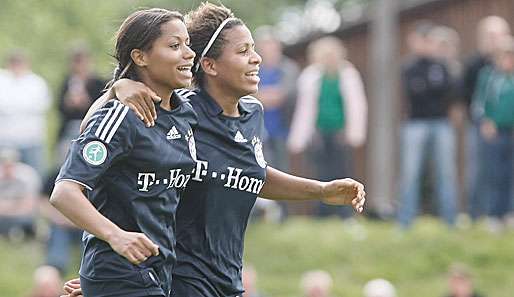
(415, 261)
(47, 29)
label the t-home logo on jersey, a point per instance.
(233, 178)
(94, 153)
(176, 179)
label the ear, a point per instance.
(139, 57)
(209, 66)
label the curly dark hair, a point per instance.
(201, 24)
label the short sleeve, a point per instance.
(108, 137)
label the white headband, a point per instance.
(211, 41)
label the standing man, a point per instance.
(426, 130)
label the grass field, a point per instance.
(415, 261)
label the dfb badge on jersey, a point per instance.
(94, 153)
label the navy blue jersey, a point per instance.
(213, 213)
(133, 176)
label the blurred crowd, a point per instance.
(453, 108)
(316, 119)
(319, 283)
(444, 96)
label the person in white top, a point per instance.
(330, 117)
(24, 102)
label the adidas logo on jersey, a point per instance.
(173, 134)
(239, 137)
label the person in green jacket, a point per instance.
(494, 106)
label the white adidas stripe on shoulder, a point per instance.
(111, 122)
(181, 91)
(118, 123)
(186, 93)
(251, 99)
(106, 118)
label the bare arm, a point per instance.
(134, 94)
(282, 186)
(68, 198)
(96, 106)
(53, 215)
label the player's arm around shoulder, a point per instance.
(136, 95)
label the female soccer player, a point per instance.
(231, 171)
(133, 174)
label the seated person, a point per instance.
(19, 189)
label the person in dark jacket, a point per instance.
(426, 130)
(78, 91)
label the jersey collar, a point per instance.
(213, 107)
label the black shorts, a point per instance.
(137, 284)
(189, 287)
(105, 273)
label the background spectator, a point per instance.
(79, 90)
(489, 31)
(19, 188)
(331, 113)
(24, 102)
(64, 235)
(494, 106)
(379, 288)
(460, 283)
(47, 282)
(316, 283)
(447, 50)
(426, 130)
(277, 92)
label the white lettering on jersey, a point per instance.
(200, 170)
(236, 180)
(145, 180)
(178, 180)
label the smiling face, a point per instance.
(169, 60)
(237, 68)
